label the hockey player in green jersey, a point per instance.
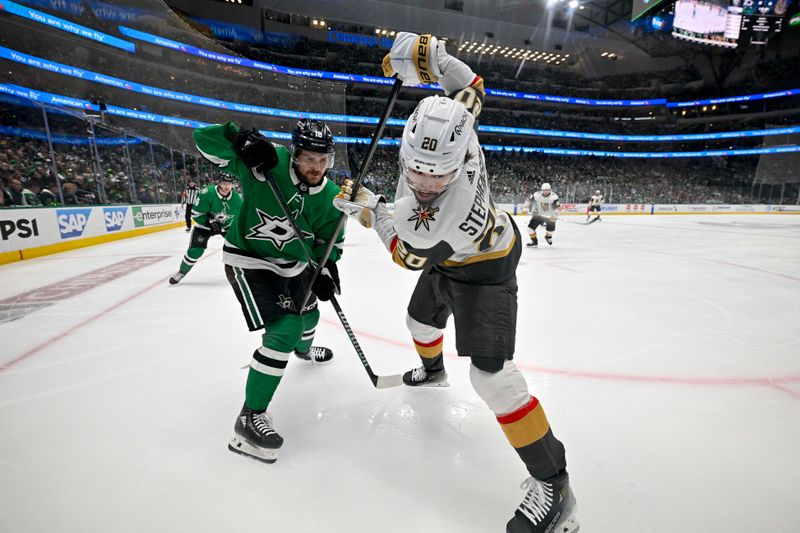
(212, 212)
(265, 262)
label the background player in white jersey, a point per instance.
(594, 205)
(544, 210)
(446, 225)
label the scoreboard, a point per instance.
(760, 19)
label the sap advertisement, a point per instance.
(24, 228)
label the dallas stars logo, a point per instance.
(276, 230)
(423, 216)
(285, 302)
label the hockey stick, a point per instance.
(373, 146)
(586, 223)
(379, 382)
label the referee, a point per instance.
(188, 198)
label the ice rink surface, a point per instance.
(665, 351)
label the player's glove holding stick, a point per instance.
(413, 59)
(327, 283)
(214, 223)
(362, 207)
(369, 209)
(255, 151)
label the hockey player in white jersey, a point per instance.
(594, 205)
(446, 225)
(544, 210)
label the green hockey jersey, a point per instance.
(261, 236)
(211, 205)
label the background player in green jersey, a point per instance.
(212, 212)
(265, 262)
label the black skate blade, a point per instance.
(242, 448)
(443, 383)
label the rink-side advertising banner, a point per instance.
(154, 215)
(23, 228)
(663, 209)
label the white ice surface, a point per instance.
(665, 351)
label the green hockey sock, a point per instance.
(190, 258)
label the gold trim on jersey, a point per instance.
(488, 256)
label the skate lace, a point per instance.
(418, 374)
(263, 423)
(317, 353)
(537, 501)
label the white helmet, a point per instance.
(435, 141)
(546, 187)
(597, 192)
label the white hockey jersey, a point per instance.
(596, 199)
(544, 205)
(461, 234)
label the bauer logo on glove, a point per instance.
(413, 59)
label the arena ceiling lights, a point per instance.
(512, 53)
(573, 4)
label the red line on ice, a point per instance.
(776, 383)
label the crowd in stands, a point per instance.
(208, 78)
(677, 83)
(28, 179)
(513, 177)
(139, 175)
(500, 74)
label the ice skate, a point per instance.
(176, 278)
(534, 242)
(420, 377)
(255, 436)
(317, 354)
(188, 230)
(549, 239)
(548, 507)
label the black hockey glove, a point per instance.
(327, 283)
(214, 223)
(255, 150)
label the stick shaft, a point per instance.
(273, 184)
(373, 146)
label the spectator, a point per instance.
(48, 195)
(146, 196)
(31, 196)
(70, 191)
(14, 192)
